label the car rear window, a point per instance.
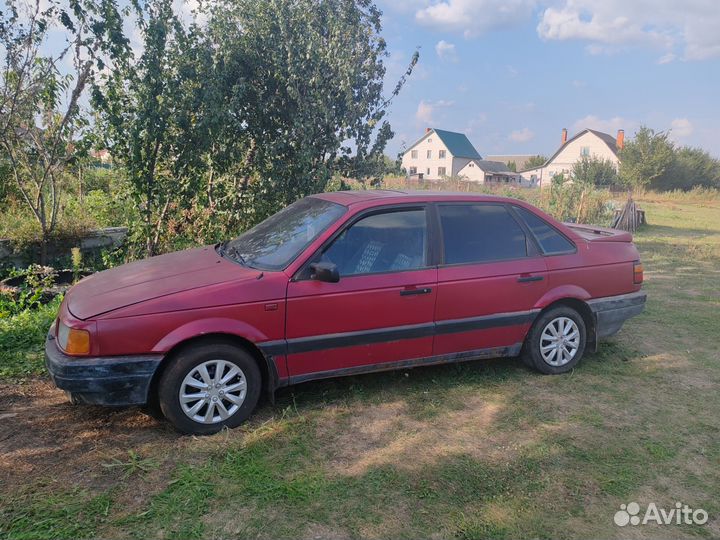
(480, 233)
(550, 240)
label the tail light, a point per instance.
(637, 272)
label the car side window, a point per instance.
(550, 240)
(480, 233)
(387, 242)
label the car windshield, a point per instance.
(277, 241)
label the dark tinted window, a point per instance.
(274, 243)
(479, 233)
(388, 242)
(550, 240)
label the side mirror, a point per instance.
(325, 271)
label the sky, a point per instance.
(510, 74)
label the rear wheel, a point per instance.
(556, 342)
(209, 387)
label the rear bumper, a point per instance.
(111, 380)
(612, 311)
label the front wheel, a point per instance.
(556, 342)
(208, 387)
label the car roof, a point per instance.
(371, 197)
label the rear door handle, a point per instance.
(527, 279)
(409, 292)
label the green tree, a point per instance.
(645, 158)
(512, 166)
(221, 124)
(535, 161)
(595, 171)
(40, 114)
(152, 115)
(690, 167)
(302, 84)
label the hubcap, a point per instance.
(559, 341)
(213, 391)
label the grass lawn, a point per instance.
(484, 449)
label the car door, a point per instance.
(490, 279)
(379, 312)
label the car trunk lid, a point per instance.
(591, 233)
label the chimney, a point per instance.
(564, 136)
(620, 142)
(428, 130)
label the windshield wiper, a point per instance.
(220, 248)
(233, 254)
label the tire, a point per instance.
(540, 350)
(216, 407)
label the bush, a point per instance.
(22, 339)
(575, 202)
(564, 200)
(20, 226)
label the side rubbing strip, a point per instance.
(350, 339)
(396, 333)
(481, 323)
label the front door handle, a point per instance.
(408, 292)
(527, 279)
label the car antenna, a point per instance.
(260, 275)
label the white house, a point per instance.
(489, 172)
(439, 154)
(588, 143)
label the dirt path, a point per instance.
(44, 436)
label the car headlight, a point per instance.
(73, 340)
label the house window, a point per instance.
(441, 154)
(413, 170)
(428, 171)
(441, 171)
(413, 154)
(472, 164)
(429, 154)
(429, 141)
(585, 151)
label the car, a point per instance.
(337, 284)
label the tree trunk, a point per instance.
(44, 249)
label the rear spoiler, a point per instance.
(592, 233)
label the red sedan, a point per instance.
(339, 284)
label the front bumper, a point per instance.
(110, 380)
(612, 311)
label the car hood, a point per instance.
(151, 278)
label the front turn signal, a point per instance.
(637, 273)
(78, 342)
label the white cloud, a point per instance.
(610, 25)
(425, 113)
(522, 135)
(446, 51)
(475, 122)
(579, 84)
(681, 128)
(608, 125)
(474, 17)
(687, 30)
(512, 71)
